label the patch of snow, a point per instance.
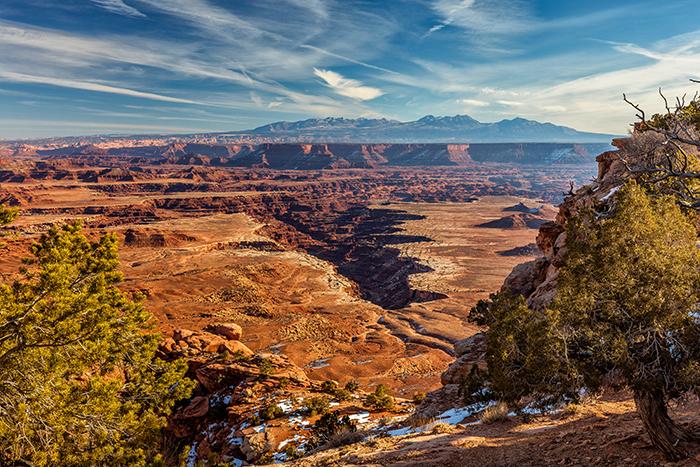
(295, 420)
(259, 428)
(279, 457)
(610, 194)
(283, 444)
(315, 365)
(285, 405)
(235, 441)
(333, 404)
(401, 431)
(534, 409)
(362, 417)
(451, 416)
(454, 416)
(192, 456)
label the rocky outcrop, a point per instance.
(232, 383)
(314, 156)
(469, 351)
(536, 280)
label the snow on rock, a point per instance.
(610, 193)
(286, 406)
(361, 417)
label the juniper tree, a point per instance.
(79, 384)
(627, 303)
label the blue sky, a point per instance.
(72, 67)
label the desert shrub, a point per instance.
(7, 215)
(342, 395)
(523, 355)
(265, 367)
(271, 412)
(417, 420)
(473, 388)
(571, 409)
(258, 310)
(352, 386)
(284, 382)
(316, 405)
(495, 413)
(79, 381)
(380, 399)
(329, 386)
(418, 397)
(331, 431)
(442, 428)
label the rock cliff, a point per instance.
(535, 280)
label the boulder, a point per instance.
(204, 341)
(475, 344)
(235, 347)
(526, 277)
(198, 407)
(549, 231)
(216, 376)
(182, 334)
(230, 331)
(437, 402)
(255, 445)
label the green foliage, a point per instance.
(329, 386)
(380, 399)
(79, 384)
(317, 405)
(352, 386)
(330, 426)
(271, 412)
(523, 354)
(688, 114)
(7, 215)
(266, 368)
(342, 395)
(627, 298)
(473, 387)
(627, 304)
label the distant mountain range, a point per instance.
(429, 129)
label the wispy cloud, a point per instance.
(347, 87)
(88, 86)
(119, 7)
(473, 102)
(490, 23)
(483, 16)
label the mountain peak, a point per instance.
(427, 129)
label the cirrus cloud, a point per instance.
(347, 87)
(119, 7)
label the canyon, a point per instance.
(334, 272)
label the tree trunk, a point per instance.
(665, 434)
